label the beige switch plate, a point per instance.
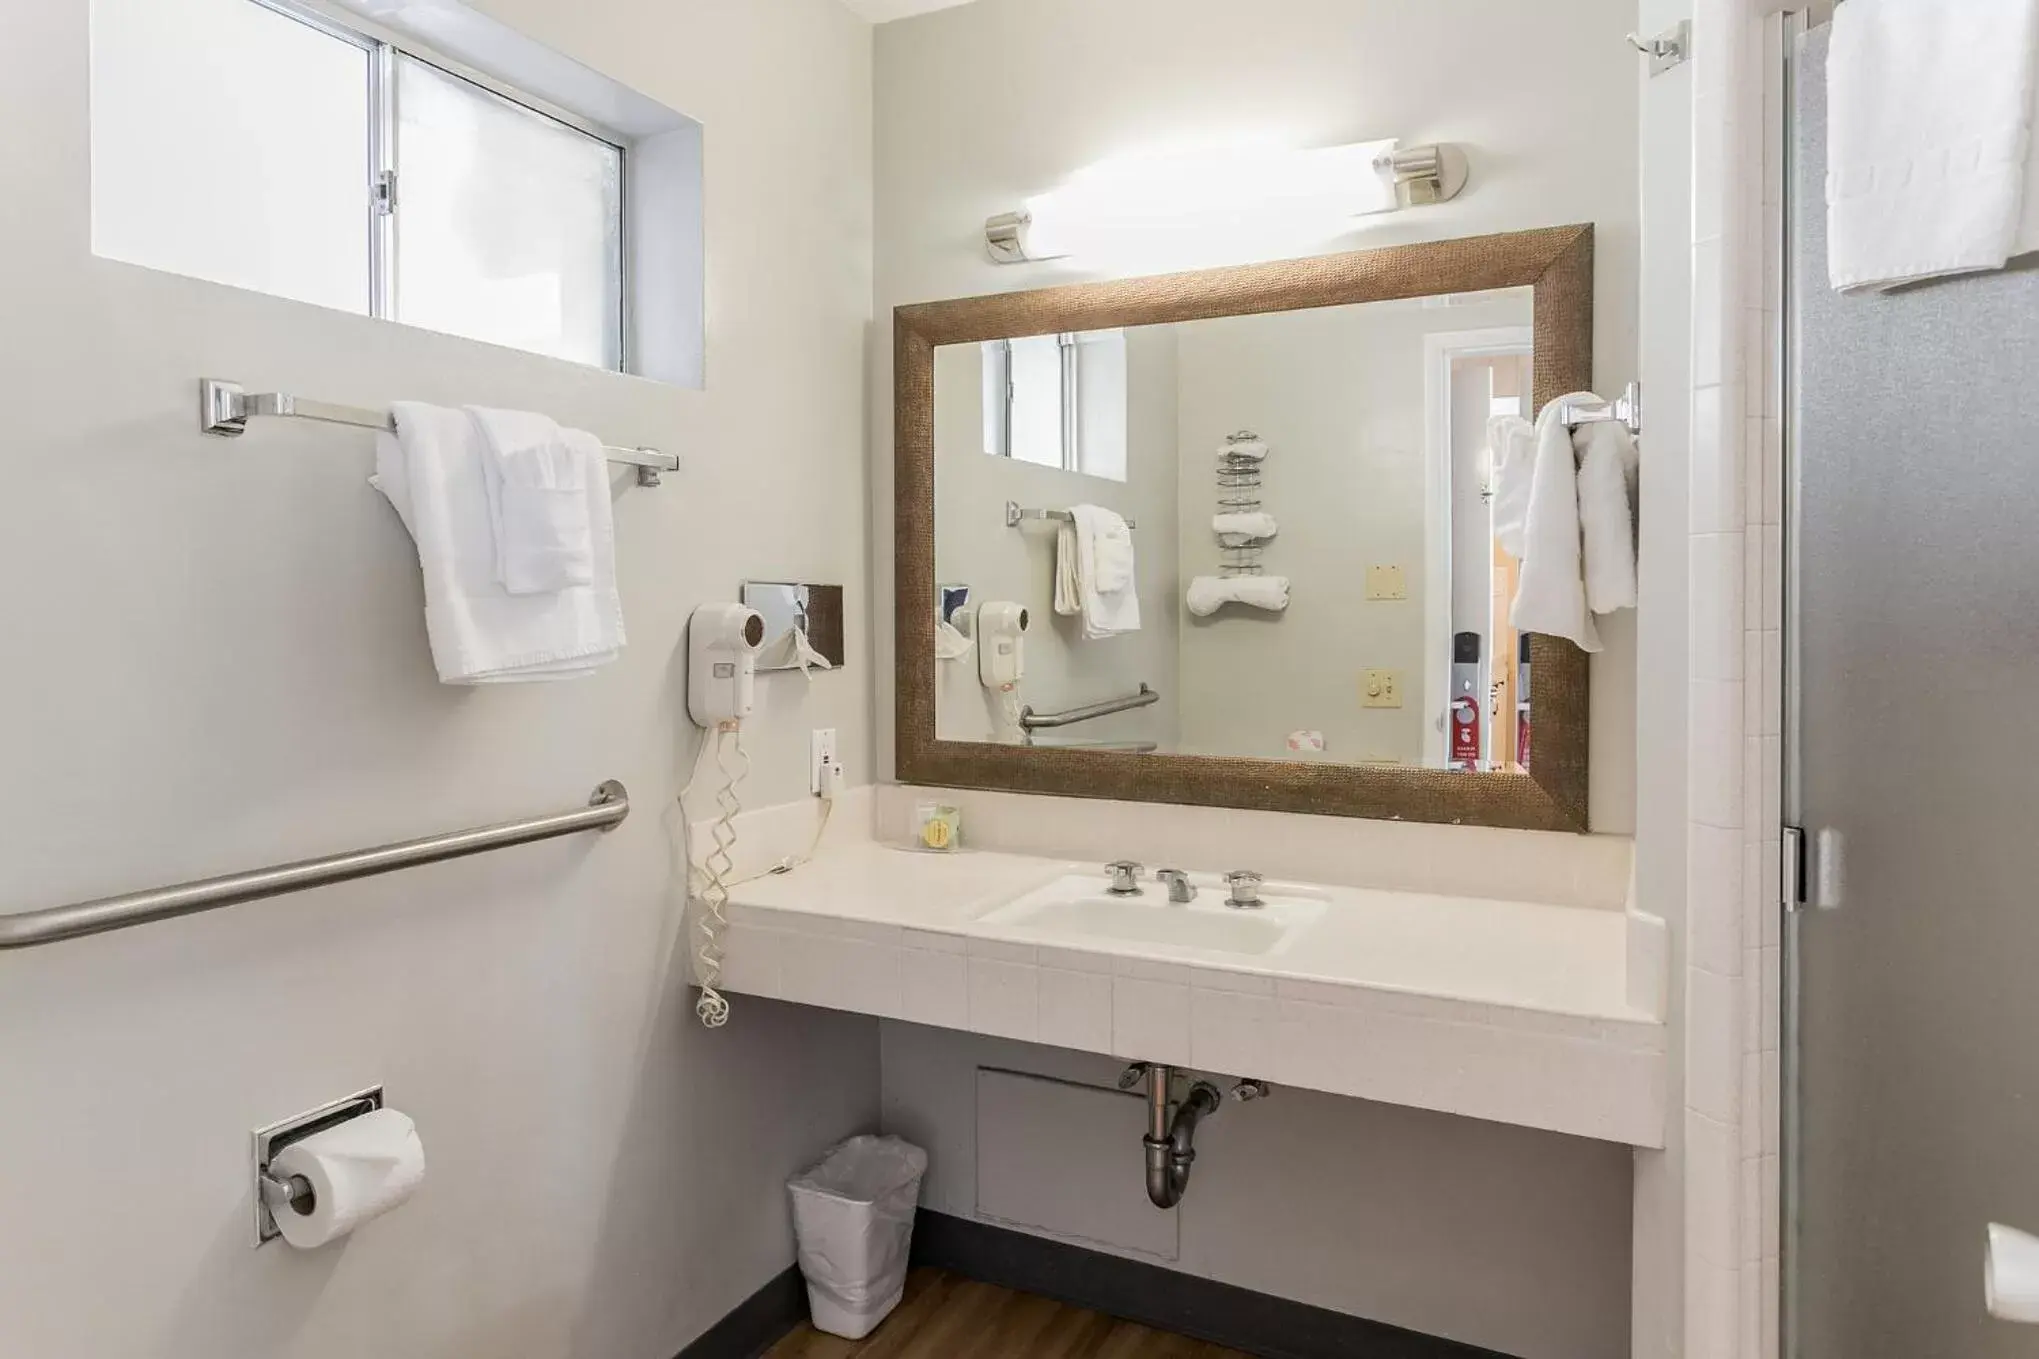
(1385, 582)
(1380, 689)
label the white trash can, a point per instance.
(853, 1220)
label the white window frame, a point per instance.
(385, 188)
(1000, 353)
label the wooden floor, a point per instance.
(946, 1317)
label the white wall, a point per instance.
(1338, 393)
(218, 661)
(982, 105)
(1495, 1236)
(973, 547)
(979, 106)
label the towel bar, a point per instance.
(224, 408)
(605, 811)
(1013, 515)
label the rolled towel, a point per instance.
(1208, 594)
(1256, 449)
(1245, 527)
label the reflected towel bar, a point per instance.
(1034, 721)
(224, 408)
(1014, 514)
(605, 811)
(1626, 409)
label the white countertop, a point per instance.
(1512, 1011)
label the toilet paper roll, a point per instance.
(358, 1170)
(2010, 1275)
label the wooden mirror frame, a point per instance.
(1555, 261)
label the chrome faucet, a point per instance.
(1245, 885)
(1125, 878)
(1181, 891)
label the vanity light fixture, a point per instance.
(1253, 192)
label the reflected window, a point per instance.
(1058, 401)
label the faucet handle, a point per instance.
(1125, 876)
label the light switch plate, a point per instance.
(1385, 582)
(1380, 689)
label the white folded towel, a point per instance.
(1256, 449)
(1931, 160)
(1511, 447)
(1607, 490)
(538, 502)
(1237, 530)
(432, 472)
(1550, 595)
(1095, 572)
(1208, 594)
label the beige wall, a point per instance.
(974, 547)
(982, 105)
(1339, 394)
(1495, 1236)
(978, 107)
(218, 661)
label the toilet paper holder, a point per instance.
(275, 1193)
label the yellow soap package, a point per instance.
(938, 827)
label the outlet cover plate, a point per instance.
(820, 755)
(1386, 582)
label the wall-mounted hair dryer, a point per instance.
(722, 663)
(1001, 656)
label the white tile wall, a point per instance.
(1731, 951)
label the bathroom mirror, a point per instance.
(803, 624)
(1246, 514)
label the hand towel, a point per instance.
(1607, 490)
(1930, 150)
(1244, 528)
(1511, 447)
(1255, 449)
(1107, 600)
(1550, 595)
(1068, 593)
(431, 472)
(1208, 594)
(538, 502)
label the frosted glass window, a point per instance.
(230, 142)
(508, 222)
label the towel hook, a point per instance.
(1668, 49)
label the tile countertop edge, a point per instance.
(845, 932)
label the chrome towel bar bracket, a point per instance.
(28, 929)
(225, 407)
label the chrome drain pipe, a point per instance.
(1170, 1143)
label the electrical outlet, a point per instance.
(821, 755)
(1380, 689)
(1386, 582)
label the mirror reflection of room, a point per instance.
(1270, 535)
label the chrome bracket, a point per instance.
(1668, 49)
(222, 407)
(274, 1194)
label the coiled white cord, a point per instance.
(713, 1007)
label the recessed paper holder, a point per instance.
(273, 1194)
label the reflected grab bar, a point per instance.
(605, 811)
(1034, 721)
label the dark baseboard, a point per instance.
(757, 1323)
(1238, 1318)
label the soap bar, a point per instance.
(937, 826)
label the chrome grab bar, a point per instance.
(1034, 721)
(27, 929)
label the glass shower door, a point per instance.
(1913, 1117)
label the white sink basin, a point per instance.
(1077, 908)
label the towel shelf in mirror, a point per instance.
(1371, 376)
(225, 407)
